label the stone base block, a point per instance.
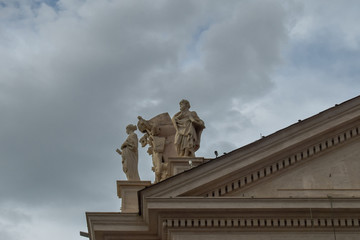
(180, 164)
(128, 192)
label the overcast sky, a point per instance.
(74, 73)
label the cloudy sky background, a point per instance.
(74, 73)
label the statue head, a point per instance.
(130, 128)
(184, 104)
(143, 125)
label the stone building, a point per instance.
(302, 182)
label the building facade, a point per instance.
(302, 182)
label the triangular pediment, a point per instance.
(332, 174)
(316, 157)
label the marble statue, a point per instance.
(159, 135)
(188, 128)
(129, 153)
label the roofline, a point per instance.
(252, 144)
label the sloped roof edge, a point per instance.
(315, 121)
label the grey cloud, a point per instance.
(237, 56)
(11, 220)
(73, 77)
(69, 102)
(13, 216)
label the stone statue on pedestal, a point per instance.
(169, 138)
(159, 136)
(188, 128)
(129, 153)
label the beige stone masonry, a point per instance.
(180, 164)
(315, 151)
(128, 192)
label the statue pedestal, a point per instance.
(180, 164)
(128, 192)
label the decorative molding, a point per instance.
(318, 189)
(254, 224)
(284, 163)
(246, 223)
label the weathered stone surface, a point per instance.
(188, 128)
(334, 173)
(159, 135)
(127, 191)
(178, 165)
(129, 154)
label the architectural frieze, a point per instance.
(284, 164)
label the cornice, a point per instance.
(264, 224)
(100, 223)
(232, 203)
(192, 214)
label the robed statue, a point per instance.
(129, 154)
(188, 128)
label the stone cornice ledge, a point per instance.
(100, 222)
(194, 203)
